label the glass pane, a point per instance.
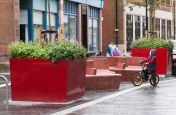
(90, 45)
(52, 18)
(137, 27)
(169, 29)
(95, 35)
(66, 26)
(144, 26)
(37, 29)
(73, 28)
(158, 27)
(163, 29)
(39, 19)
(65, 6)
(129, 29)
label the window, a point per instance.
(73, 28)
(163, 29)
(38, 23)
(163, 1)
(168, 2)
(90, 40)
(129, 31)
(37, 29)
(158, 27)
(95, 35)
(93, 29)
(52, 20)
(70, 20)
(137, 27)
(144, 26)
(168, 29)
(66, 26)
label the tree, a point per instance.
(151, 6)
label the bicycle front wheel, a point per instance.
(154, 84)
(137, 80)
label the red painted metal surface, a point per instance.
(163, 56)
(40, 80)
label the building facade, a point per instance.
(80, 20)
(9, 23)
(131, 22)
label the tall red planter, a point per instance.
(40, 80)
(163, 56)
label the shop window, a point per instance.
(163, 1)
(37, 29)
(168, 29)
(129, 31)
(38, 23)
(90, 40)
(137, 27)
(70, 21)
(53, 21)
(66, 26)
(168, 2)
(163, 29)
(93, 39)
(144, 26)
(73, 27)
(158, 27)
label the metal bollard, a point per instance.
(7, 90)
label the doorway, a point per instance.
(22, 32)
(84, 27)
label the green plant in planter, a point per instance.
(53, 51)
(27, 50)
(65, 50)
(152, 43)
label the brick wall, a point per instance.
(121, 22)
(109, 23)
(9, 23)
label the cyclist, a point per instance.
(151, 65)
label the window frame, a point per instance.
(71, 9)
(94, 15)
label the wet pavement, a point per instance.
(143, 101)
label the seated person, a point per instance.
(116, 51)
(113, 50)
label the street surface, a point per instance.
(129, 100)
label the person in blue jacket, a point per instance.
(113, 50)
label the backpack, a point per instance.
(115, 52)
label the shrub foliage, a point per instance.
(63, 50)
(152, 43)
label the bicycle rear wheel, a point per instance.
(157, 80)
(137, 80)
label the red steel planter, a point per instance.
(40, 80)
(163, 56)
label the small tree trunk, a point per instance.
(152, 24)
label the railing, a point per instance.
(7, 89)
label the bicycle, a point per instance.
(144, 75)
